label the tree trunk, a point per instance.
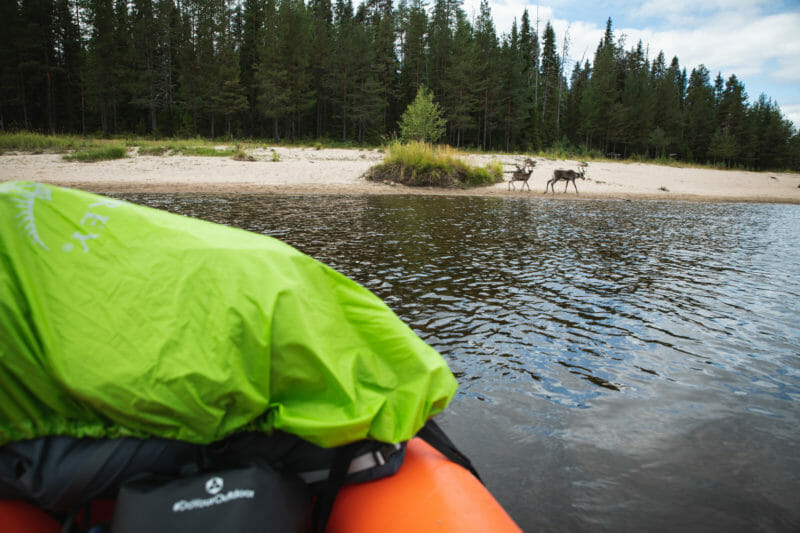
(485, 115)
(51, 121)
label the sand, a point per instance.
(339, 171)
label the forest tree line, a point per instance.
(322, 69)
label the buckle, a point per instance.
(383, 454)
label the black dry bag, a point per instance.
(255, 498)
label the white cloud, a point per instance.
(693, 11)
(733, 44)
(792, 112)
(742, 37)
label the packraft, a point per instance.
(144, 353)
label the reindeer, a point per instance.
(522, 175)
(568, 176)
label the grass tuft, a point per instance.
(241, 155)
(102, 153)
(423, 165)
(38, 143)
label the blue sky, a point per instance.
(758, 40)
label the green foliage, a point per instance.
(207, 151)
(304, 71)
(422, 120)
(102, 153)
(658, 140)
(723, 146)
(420, 164)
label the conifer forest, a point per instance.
(297, 70)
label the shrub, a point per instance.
(241, 155)
(422, 119)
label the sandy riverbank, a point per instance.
(338, 171)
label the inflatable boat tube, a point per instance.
(428, 493)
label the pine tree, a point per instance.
(102, 56)
(529, 49)
(637, 103)
(422, 120)
(382, 23)
(252, 42)
(668, 88)
(343, 75)
(35, 44)
(513, 89)
(550, 82)
(601, 95)
(414, 28)
(440, 42)
(321, 43)
(486, 74)
(69, 57)
(144, 86)
(270, 72)
(772, 135)
(294, 34)
(732, 119)
(700, 116)
(12, 102)
(573, 119)
(461, 92)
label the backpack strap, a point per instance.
(372, 458)
(327, 496)
(436, 437)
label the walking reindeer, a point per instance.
(521, 174)
(568, 176)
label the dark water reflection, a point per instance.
(622, 365)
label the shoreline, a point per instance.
(308, 171)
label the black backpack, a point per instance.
(161, 484)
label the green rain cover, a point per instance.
(121, 320)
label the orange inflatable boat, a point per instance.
(428, 493)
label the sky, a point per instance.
(758, 40)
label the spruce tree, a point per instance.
(486, 73)
(414, 29)
(271, 73)
(252, 42)
(700, 116)
(461, 92)
(550, 82)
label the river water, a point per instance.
(623, 366)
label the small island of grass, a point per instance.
(424, 165)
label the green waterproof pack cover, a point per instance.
(121, 320)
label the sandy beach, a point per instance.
(339, 171)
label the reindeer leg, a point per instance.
(526, 183)
(574, 184)
(566, 186)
